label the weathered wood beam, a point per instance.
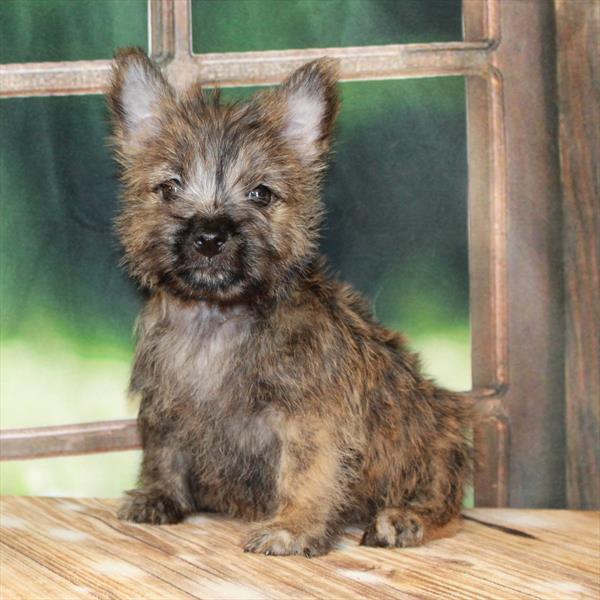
(578, 61)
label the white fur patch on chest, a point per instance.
(198, 346)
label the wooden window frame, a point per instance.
(514, 220)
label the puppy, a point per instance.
(268, 390)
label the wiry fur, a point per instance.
(268, 391)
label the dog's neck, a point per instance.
(174, 309)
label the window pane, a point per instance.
(243, 25)
(67, 308)
(396, 226)
(99, 475)
(397, 213)
(396, 229)
(48, 30)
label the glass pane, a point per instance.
(244, 25)
(397, 213)
(100, 475)
(396, 229)
(396, 226)
(67, 307)
(48, 30)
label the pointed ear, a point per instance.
(309, 103)
(136, 96)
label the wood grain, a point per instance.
(67, 548)
(578, 46)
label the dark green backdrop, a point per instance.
(396, 200)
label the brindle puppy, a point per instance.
(268, 391)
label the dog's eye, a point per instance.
(260, 195)
(169, 189)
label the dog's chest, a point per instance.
(196, 351)
(197, 367)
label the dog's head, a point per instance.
(221, 202)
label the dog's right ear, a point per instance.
(137, 95)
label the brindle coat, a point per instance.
(268, 391)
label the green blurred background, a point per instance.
(396, 208)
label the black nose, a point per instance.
(209, 238)
(210, 244)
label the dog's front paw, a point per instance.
(394, 528)
(279, 540)
(150, 506)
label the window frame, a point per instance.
(512, 181)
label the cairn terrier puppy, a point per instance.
(268, 390)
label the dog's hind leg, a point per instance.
(403, 528)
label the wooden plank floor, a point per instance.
(67, 548)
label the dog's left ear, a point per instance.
(308, 104)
